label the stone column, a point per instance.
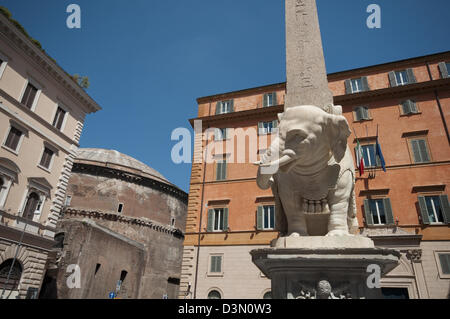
(307, 82)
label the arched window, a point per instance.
(268, 295)
(14, 277)
(214, 294)
(31, 206)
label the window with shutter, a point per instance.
(59, 118)
(434, 209)
(444, 67)
(357, 85)
(216, 264)
(217, 219)
(13, 138)
(378, 212)
(221, 170)
(420, 150)
(361, 113)
(369, 155)
(401, 77)
(46, 158)
(409, 107)
(269, 99)
(29, 95)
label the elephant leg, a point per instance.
(339, 204)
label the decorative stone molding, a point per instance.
(415, 255)
(124, 219)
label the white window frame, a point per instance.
(38, 93)
(225, 107)
(270, 101)
(220, 221)
(377, 201)
(55, 153)
(264, 226)
(66, 110)
(358, 85)
(438, 263)
(3, 64)
(16, 151)
(403, 80)
(437, 222)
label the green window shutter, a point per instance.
(445, 208)
(359, 113)
(231, 106)
(413, 106)
(265, 100)
(365, 84)
(210, 226)
(218, 263)
(219, 171)
(348, 87)
(224, 169)
(274, 98)
(225, 219)
(260, 218)
(416, 151)
(366, 113)
(411, 77)
(443, 69)
(225, 133)
(388, 211)
(392, 79)
(218, 105)
(406, 107)
(367, 213)
(423, 151)
(424, 211)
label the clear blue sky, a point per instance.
(148, 60)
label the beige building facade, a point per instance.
(42, 112)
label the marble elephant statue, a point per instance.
(311, 172)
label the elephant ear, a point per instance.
(338, 132)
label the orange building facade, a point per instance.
(406, 103)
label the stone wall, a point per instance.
(101, 255)
(32, 261)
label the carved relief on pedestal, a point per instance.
(321, 290)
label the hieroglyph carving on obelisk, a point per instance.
(306, 75)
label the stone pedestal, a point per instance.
(324, 267)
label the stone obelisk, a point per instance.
(306, 74)
(336, 266)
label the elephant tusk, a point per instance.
(286, 159)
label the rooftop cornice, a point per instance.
(384, 67)
(47, 64)
(347, 99)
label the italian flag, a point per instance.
(359, 158)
